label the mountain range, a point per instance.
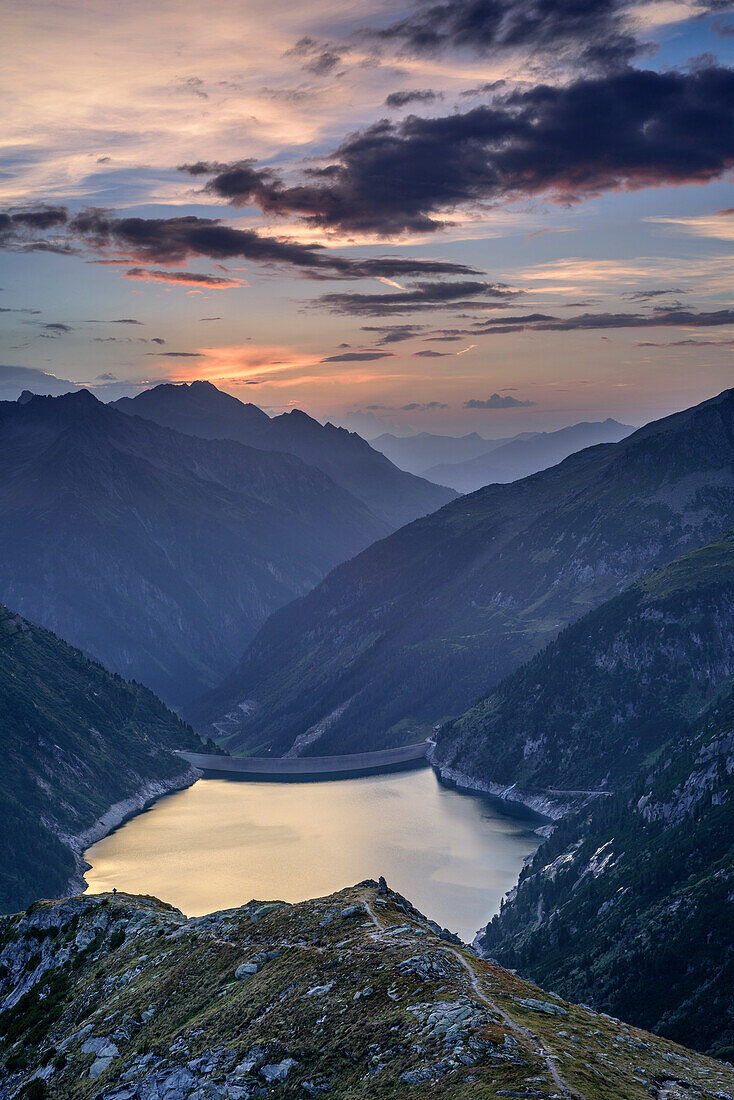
(525, 455)
(417, 453)
(159, 553)
(75, 741)
(200, 409)
(355, 994)
(418, 626)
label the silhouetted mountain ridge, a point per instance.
(159, 553)
(200, 409)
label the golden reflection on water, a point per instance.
(220, 843)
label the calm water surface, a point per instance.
(220, 843)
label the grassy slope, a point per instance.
(364, 1002)
(74, 739)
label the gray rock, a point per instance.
(278, 1071)
(352, 911)
(547, 1007)
(246, 970)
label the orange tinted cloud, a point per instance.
(184, 278)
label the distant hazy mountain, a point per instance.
(414, 629)
(524, 455)
(628, 906)
(417, 453)
(604, 696)
(74, 740)
(200, 409)
(158, 552)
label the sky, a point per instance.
(451, 216)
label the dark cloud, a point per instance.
(357, 356)
(542, 322)
(158, 339)
(57, 327)
(39, 218)
(419, 297)
(590, 32)
(207, 319)
(690, 343)
(497, 402)
(320, 58)
(646, 295)
(483, 89)
(620, 131)
(8, 309)
(178, 239)
(106, 378)
(176, 354)
(394, 334)
(428, 354)
(185, 278)
(658, 319)
(403, 99)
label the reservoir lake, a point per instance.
(221, 843)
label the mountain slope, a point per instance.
(352, 995)
(629, 905)
(522, 457)
(200, 409)
(418, 626)
(587, 710)
(159, 553)
(74, 740)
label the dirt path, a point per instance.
(518, 1029)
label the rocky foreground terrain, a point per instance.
(352, 995)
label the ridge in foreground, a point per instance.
(353, 995)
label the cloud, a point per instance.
(182, 278)
(403, 99)
(319, 58)
(690, 343)
(175, 354)
(394, 334)
(412, 406)
(592, 33)
(483, 89)
(669, 128)
(106, 378)
(13, 380)
(157, 340)
(646, 295)
(497, 402)
(210, 318)
(543, 322)
(179, 239)
(357, 356)
(429, 354)
(421, 296)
